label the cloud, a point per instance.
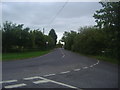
(38, 15)
(78, 9)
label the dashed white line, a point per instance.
(45, 80)
(85, 67)
(91, 65)
(64, 72)
(98, 62)
(63, 56)
(41, 81)
(29, 78)
(15, 86)
(95, 64)
(9, 81)
(49, 75)
(76, 69)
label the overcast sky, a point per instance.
(40, 15)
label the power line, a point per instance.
(57, 13)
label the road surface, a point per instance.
(59, 69)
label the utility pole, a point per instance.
(43, 30)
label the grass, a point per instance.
(16, 56)
(102, 58)
(107, 59)
(0, 56)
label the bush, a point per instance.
(88, 40)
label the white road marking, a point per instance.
(49, 75)
(95, 64)
(91, 65)
(58, 83)
(64, 72)
(76, 69)
(98, 62)
(63, 55)
(85, 67)
(63, 84)
(41, 81)
(44, 79)
(15, 86)
(29, 78)
(9, 81)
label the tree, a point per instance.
(108, 20)
(88, 40)
(10, 34)
(15, 38)
(59, 45)
(108, 16)
(53, 35)
(49, 42)
(68, 38)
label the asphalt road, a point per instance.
(59, 69)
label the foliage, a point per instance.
(88, 40)
(108, 16)
(59, 45)
(68, 38)
(102, 39)
(15, 38)
(53, 35)
(108, 19)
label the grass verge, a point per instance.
(24, 55)
(102, 58)
(107, 59)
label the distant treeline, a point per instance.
(15, 38)
(102, 39)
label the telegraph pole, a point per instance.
(43, 30)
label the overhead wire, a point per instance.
(60, 10)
